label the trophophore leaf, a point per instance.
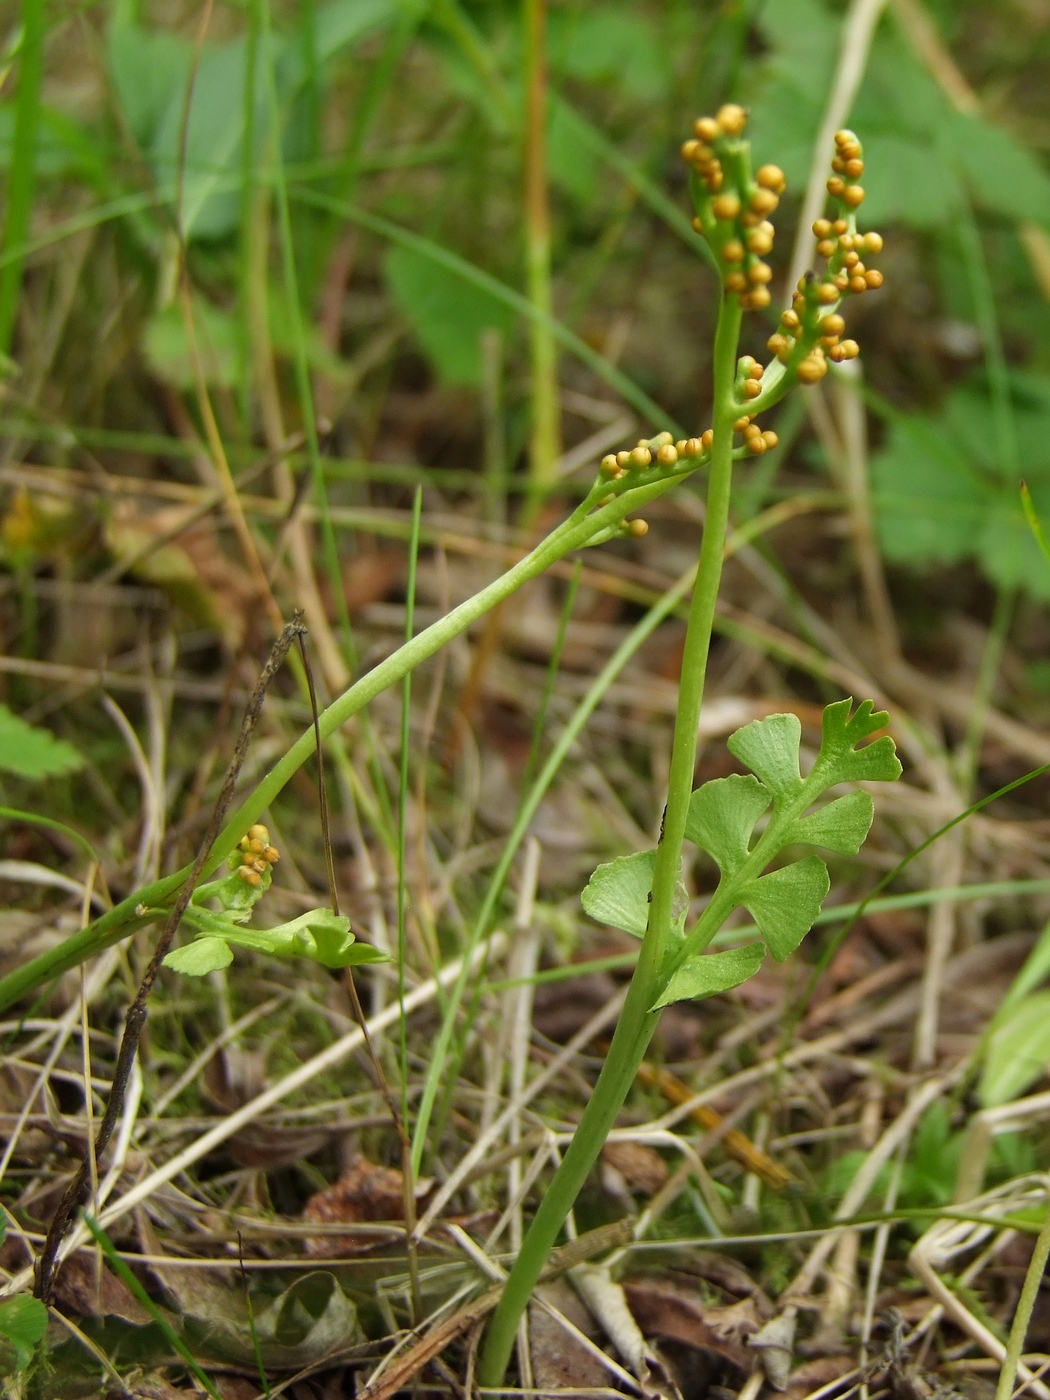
(769, 747)
(722, 816)
(202, 956)
(618, 892)
(841, 826)
(785, 902)
(840, 761)
(710, 973)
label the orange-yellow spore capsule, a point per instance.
(638, 528)
(641, 456)
(258, 832)
(836, 186)
(271, 854)
(812, 369)
(822, 227)
(736, 282)
(853, 195)
(827, 292)
(771, 177)
(731, 118)
(763, 202)
(740, 424)
(609, 465)
(759, 273)
(757, 299)
(752, 388)
(855, 168)
(833, 324)
(873, 277)
(707, 129)
(873, 242)
(858, 283)
(756, 445)
(707, 438)
(826, 248)
(770, 437)
(726, 206)
(694, 446)
(733, 251)
(250, 877)
(667, 455)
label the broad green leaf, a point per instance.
(148, 70)
(447, 313)
(722, 816)
(613, 44)
(839, 761)
(906, 182)
(32, 752)
(710, 973)
(618, 893)
(168, 350)
(1018, 1051)
(841, 826)
(1006, 179)
(23, 1322)
(785, 902)
(769, 747)
(786, 93)
(202, 956)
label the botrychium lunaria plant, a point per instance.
(744, 822)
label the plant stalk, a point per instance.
(586, 525)
(637, 1021)
(1023, 1316)
(544, 444)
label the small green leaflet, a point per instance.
(23, 1322)
(200, 957)
(722, 816)
(785, 902)
(710, 973)
(618, 894)
(31, 752)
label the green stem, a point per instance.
(22, 174)
(543, 448)
(637, 1021)
(581, 528)
(1023, 1316)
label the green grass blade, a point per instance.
(23, 167)
(402, 809)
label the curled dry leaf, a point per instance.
(365, 1193)
(642, 1167)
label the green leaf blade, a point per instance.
(618, 892)
(785, 902)
(710, 973)
(200, 957)
(840, 761)
(31, 752)
(23, 1322)
(840, 826)
(770, 747)
(722, 816)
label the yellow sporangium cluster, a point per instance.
(661, 450)
(734, 205)
(257, 855)
(811, 330)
